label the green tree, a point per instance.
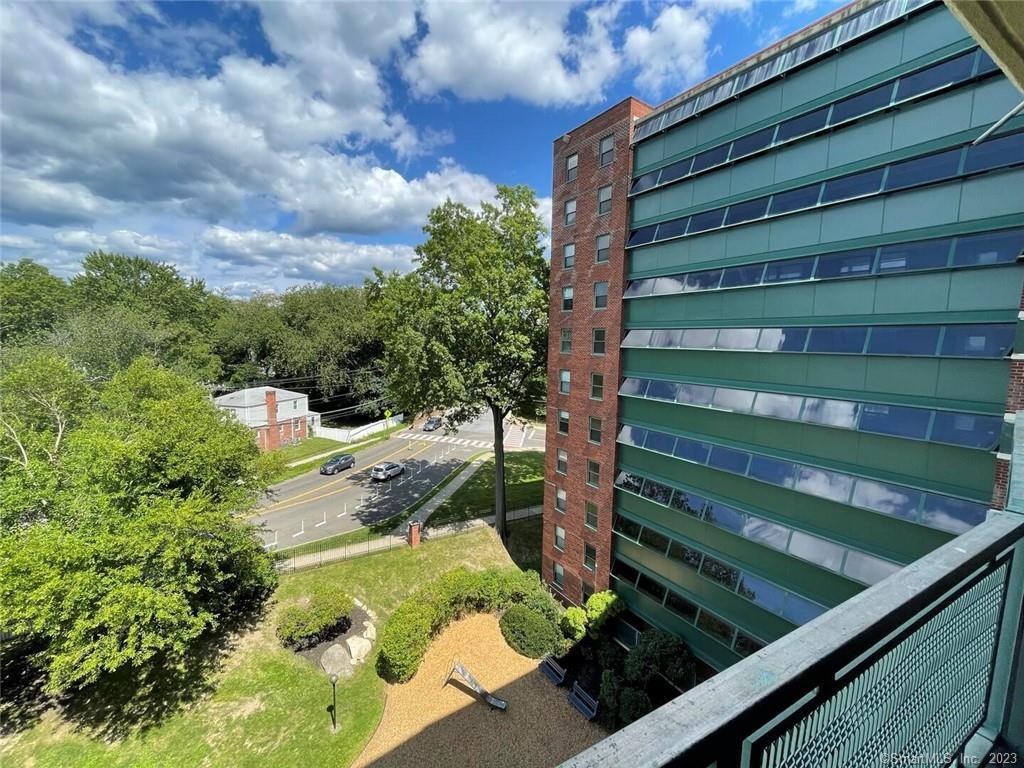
(467, 330)
(246, 337)
(31, 300)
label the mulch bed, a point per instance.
(357, 617)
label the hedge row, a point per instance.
(459, 592)
(529, 633)
(326, 615)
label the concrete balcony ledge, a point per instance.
(921, 663)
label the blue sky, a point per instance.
(261, 146)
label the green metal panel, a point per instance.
(761, 105)
(991, 99)
(881, 52)
(948, 113)
(929, 31)
(810, 83)
(864, 139)
(802, 158)
(709, 187)
(884, 536)
(921, 207)
(718, 122)
(992, 194)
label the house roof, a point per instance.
(254, 396)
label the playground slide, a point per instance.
(471, 681)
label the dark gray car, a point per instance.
(335, 464)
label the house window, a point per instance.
(295, 425)
(595, 430)
(570, 212)
(607, 150)
(567, 298)
(604, 200)
(593, 473)
(604, 246)
(561, 501)
(559, 538)
(571, 163)
(601, 295)
(589, 557)
(597, 342)
(565, 341)
(558, 575)
(586, 590)
(563, 382)
(597, 386)
(569, 255)
(563, 422)
(562, 461)
(591, 515)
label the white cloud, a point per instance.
(723, 6)
(799, 6)
(672, 52)
(490, 51)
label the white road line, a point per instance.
(302, 530)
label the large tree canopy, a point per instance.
(467, 330)
(32, 300)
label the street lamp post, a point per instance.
(337, 663)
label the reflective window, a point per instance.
(569, 255)
(601, 295)
(564, 381)
(953, 515)
(746, 645)
(771, 534)
(765, 594)
(904, 340)
(653, 589)
(978, 340)
(752, 143)
(559, 538)
(571, 163)
(739, 276)
(629, 482)
(848, 340)
(656, 492)
(603, 248)
(952, 71)
(724, 516)
(604, 200)
(847, 264)
(711, 157)
(923, 170)
(816, 550)
(898, 420)
(660, 442)
(687, 502)
(675, 228)
(861, 104)
(570, 211)
(631, 435)
(645, 182)
(715, 626)
(729, 459)
(634, 387)
(929, 254)
(737, 338)
(692, 450)
(561, 499)
(795, 199)
(699, 338)
(802, 124)
(567, 298)
(893, 500)
(800, 611)
(772, 471)
(642, 235)
(738, 400)
(788, 270)
(967, 429)
(778, 406)
(669, 284)
(662, 390)
(654, 540)
(824, 483)
(639, 288)
(989, 248)
(681, 607)
(695, 394)
(701, 222)
(562, 461)
(866, 568)
(625, 571)
(832, 413)
(747, 211)
(720, 572)
(855, 185)
(782, 339)
(607, 150)
(676, 170)
(995, 153)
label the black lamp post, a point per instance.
(337, 663)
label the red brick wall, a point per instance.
(1014, 403)
(276, 434)
(583, 318)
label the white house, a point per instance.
(276, 416)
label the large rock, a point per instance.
(358, 648)
(369, 631)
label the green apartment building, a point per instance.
(817, 295)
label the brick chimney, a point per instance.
(271, 408)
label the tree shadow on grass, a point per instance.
(130, 700)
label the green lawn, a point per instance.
(287, 473)
(524, 542)
(524, 483)
(311, 446)
(268, 705)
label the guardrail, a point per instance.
(918, 669)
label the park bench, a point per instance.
(552, 670)
(583, 701)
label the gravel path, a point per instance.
(427, 725)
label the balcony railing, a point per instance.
(923, 668)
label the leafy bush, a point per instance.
(602, 606)
(608, 698)
(655, 652)
(529, 633)
(634, 703)
(459, 592)
(326, 615)
(574, 624)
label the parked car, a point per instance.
(335, 464)
(386, 471)
(434, 422)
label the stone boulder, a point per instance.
(358, 648)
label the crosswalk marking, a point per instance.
(461, 441)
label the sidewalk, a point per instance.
(342, 448)
(421, 514)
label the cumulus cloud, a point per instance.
(491, 51)
(672, 52)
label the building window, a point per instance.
(567, 298)
(565, 341)
(586, 590)
(571, 163)
(562, 461)
(589, 557)
(569, 255)
(607, 150)
(598, 341)
(595, 430)
(601, 295)
(563, 422)
(559, 538)
(558, 575)
(597, 386)
(604, 200)
(593, 473)
(591, 515)
(561, 501)
(570, 212)
(604, 246)
(563, 382)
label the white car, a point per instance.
(386, 471)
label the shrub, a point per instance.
(574, 624)
(602, 606)
(459, 592)
(634, 703)
(658, 651)
(326, 615)
(528, 632)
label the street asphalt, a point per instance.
(314, 506)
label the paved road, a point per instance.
(314, 506)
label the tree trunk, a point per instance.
(499, 473)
